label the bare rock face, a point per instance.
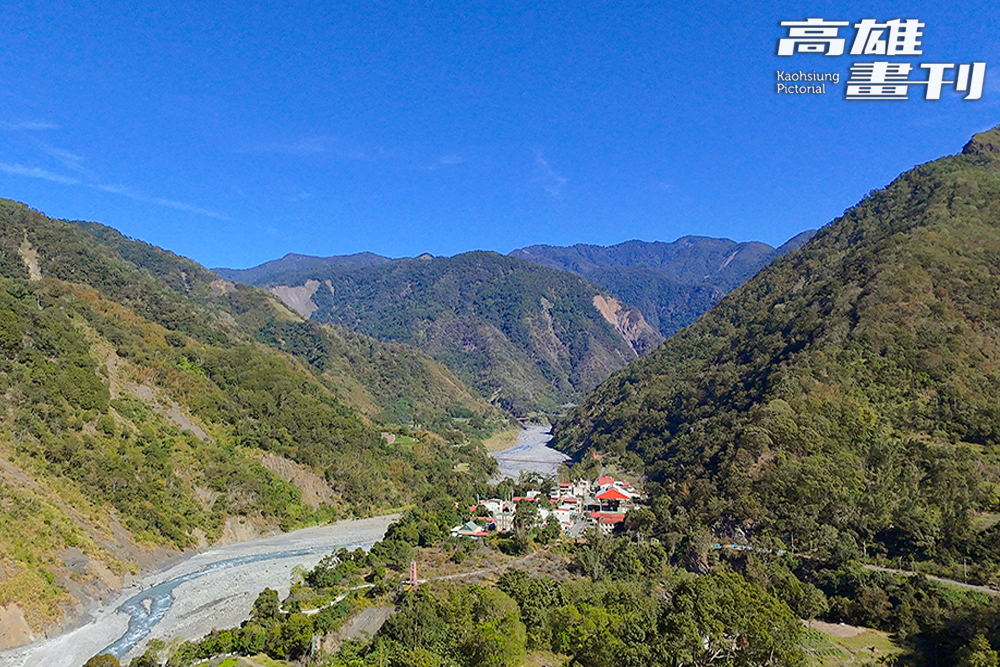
(629, 323)
(315, 490)
(14, 629)
(29, 256)
(298, 298)
(243, 529)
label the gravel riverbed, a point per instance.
(530, 454)
(218, 591)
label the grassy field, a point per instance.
(502, 440)
(856, 646)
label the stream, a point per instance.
(215, 588)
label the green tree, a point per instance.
(526, 517)
(251, 639)
(291, 638)
(266, 608)
(723, 618)
(103, 660)
(978, 653)
(498, 637)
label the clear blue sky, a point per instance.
(234, 132)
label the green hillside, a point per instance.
(391, 383)
(147, 406)
(845, 398)
(672, 284)
(526, 336)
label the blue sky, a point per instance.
(234, 132)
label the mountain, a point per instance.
(390, 383)
(670, 283)
(843, 400)
(526, 336)
(293, 262)
(148, 406)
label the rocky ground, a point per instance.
(218, 599)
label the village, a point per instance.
(574, 507)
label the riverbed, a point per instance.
(530, 454)
(215, 588)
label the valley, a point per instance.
(827, 429)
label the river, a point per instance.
(530, 454)
(215, 588)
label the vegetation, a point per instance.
(672, 284)
(144, 406)
(639, 612)
(389, 383)
(842, 402)
(528, 334)
(836, 410)
(620, 600)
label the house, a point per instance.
(613, 499)
(469, 529)
(504, 521)
(606, 521)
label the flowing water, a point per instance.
(211, 589)
(148, 608)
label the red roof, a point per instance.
(613, 494)
(608, 517)
(601, 481)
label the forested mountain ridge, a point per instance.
(523, 335)
(387, 382)
(293, 262)
(844, 399)
(672, 284)
(147, 405)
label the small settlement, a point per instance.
(574, 506)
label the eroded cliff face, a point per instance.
(629, 323)
(298, 298)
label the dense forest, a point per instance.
(843, 401)
(812, 447)
(672, 284)
(528, 337)
(603, 601)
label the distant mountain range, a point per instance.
(519, 328)
(525, 336)
(672, 284)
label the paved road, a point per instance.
(988, 590)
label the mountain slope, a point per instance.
(846, 395)
(524, 335)
(671, 283)
(143, 411)
(387, 382)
